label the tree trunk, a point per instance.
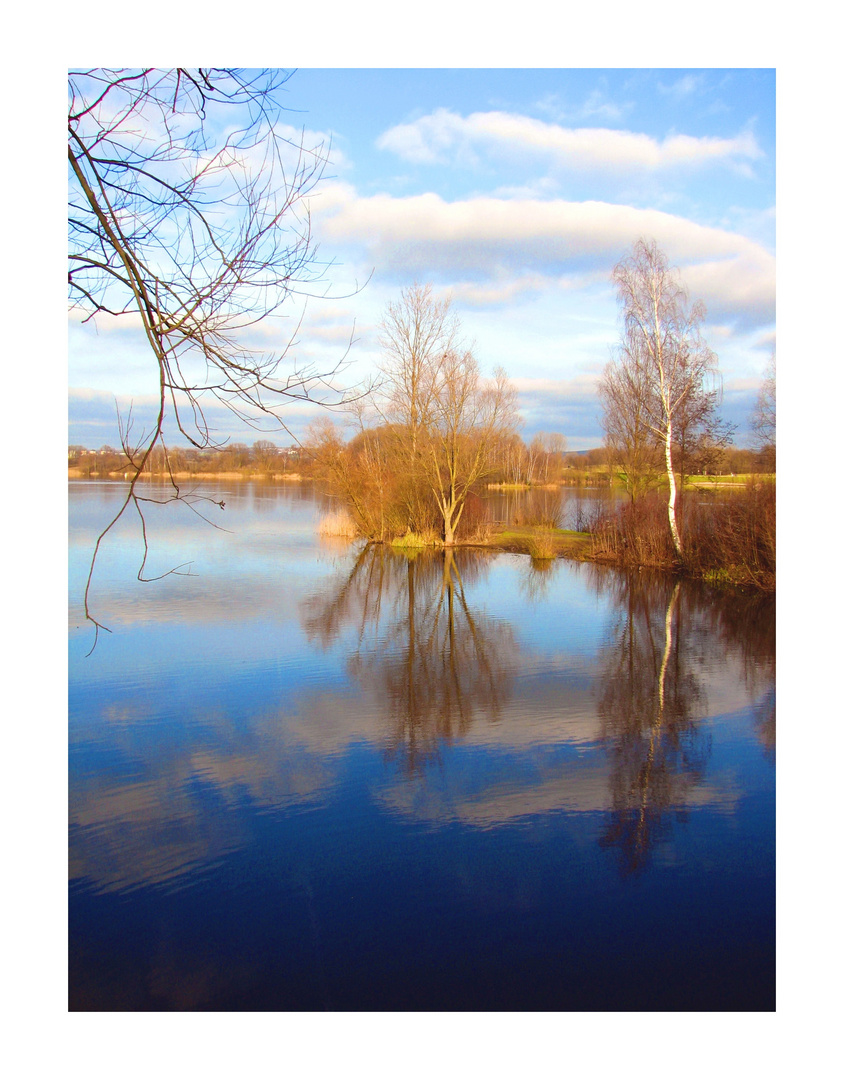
(449, 526)
(452, 511)
(672, 495)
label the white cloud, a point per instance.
(683, 87)
(484, 240)
(443, 136)
(744, 283)
(104, 322)
(581, 388)
(596, 105)
(475, 294)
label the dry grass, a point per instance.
(541, 546)
(413, 540)
(337, 524)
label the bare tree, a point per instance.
(431, 433)
(629, 437)
(664, 364)
(446, 418)
(469, 416)
(763, 420)
(554, 446)
(188, 214)
(417, 332)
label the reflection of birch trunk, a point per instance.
(666, 652)
(656, 726)
(411, 651)
(648, 696)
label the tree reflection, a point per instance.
(431, 663)
(749, 621)
(648, 706)
(536, 579)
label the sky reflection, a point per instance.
(488, 701)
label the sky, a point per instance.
(514, 192)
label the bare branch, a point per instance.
(201, 234)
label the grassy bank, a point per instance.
(540, 543)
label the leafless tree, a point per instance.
(447, 419)
(431, 432)
(188, 215)
(417, 332)
(265, 455)
(469, 415)
(663, 364)
(623, 392)
(763, 420)
(553, 447)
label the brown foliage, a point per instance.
(729, 536)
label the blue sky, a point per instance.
(515, 191)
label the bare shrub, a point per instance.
(475, 522)
(729, 537)
(636, 534)
(734, 536)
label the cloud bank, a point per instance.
(444, 137)
(487, 239)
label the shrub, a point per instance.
(635, 534)
(735, 534)
(541, 546)
(474, 522)
(728, 537)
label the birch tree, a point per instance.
(664, 363)
(763, 420)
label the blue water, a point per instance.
(319, 776)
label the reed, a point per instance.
(541, 546)
(339, 523)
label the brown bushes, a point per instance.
(727, 537)
(635, 534)
(735, 537)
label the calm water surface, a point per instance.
(319, 776)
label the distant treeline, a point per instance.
(541, 461)
(262, 458)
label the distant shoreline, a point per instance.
(83, 474)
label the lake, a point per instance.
(324, 776)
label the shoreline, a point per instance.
(542, 545)
(119, 476)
